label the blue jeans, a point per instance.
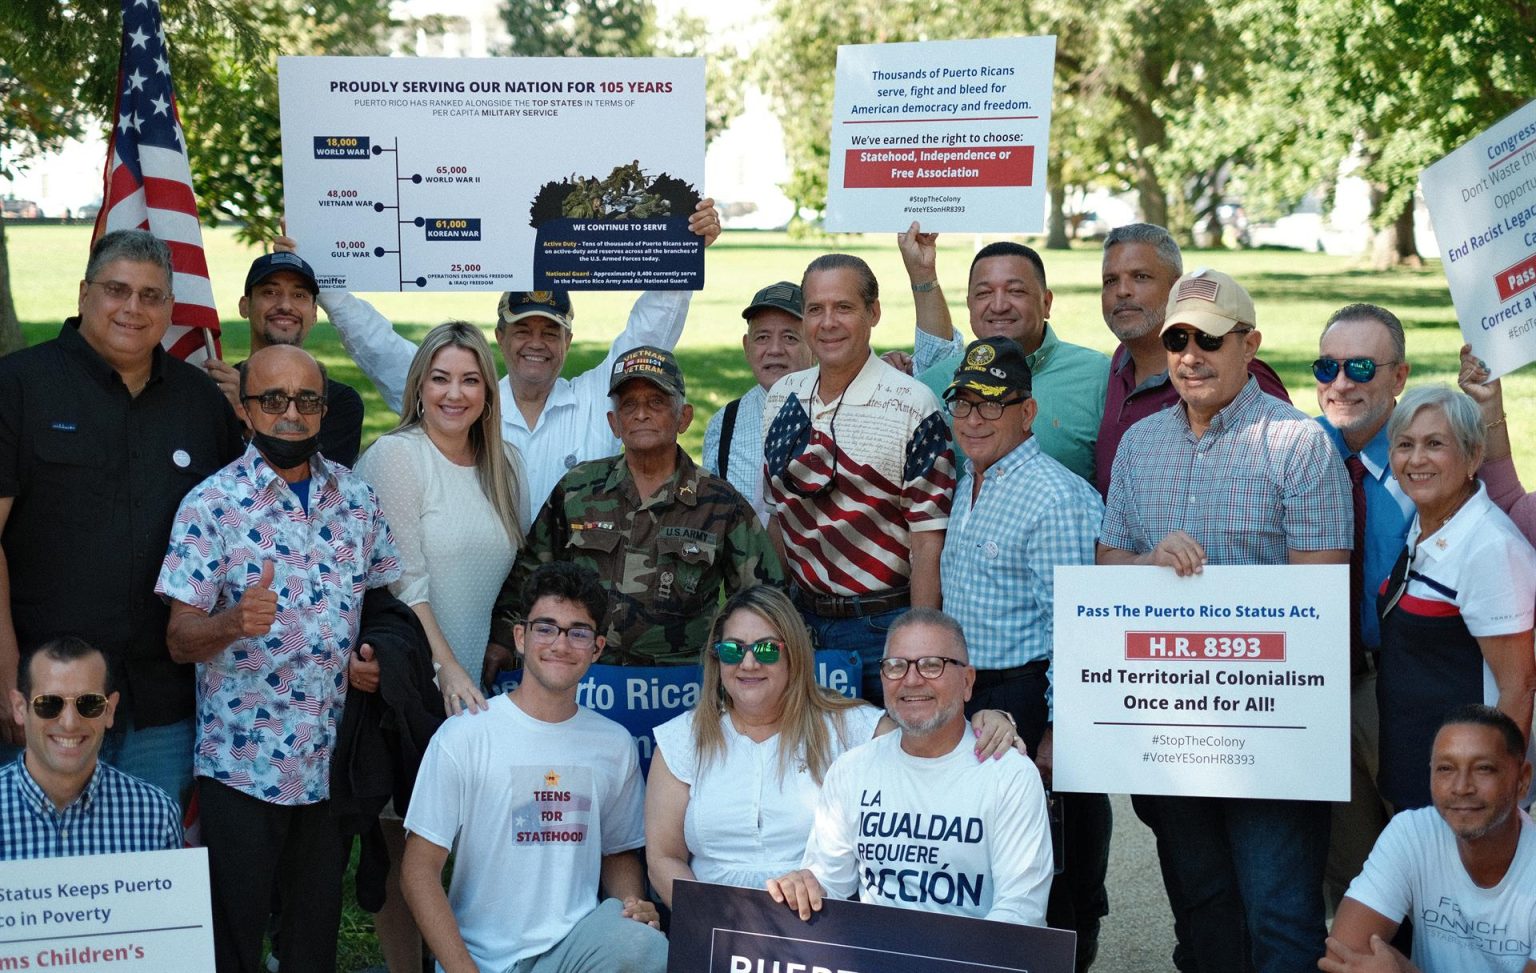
(864, 635)
(1274, 851)
(161, 755)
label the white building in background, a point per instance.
(450, 28)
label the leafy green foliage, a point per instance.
(581, 28)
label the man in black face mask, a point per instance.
(264, 573)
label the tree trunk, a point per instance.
(1056, 230)
(1151, 135)
(10, 329)
(1407, 245)
(1393, 245)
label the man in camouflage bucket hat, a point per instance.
(664, 536)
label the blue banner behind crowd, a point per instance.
(641, 698)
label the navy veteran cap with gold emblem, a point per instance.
(655, 365)
(514, 306)
(993, 368)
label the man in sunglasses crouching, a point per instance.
(1230, 475)
(912, 819)
(265, 572)
(57, 799)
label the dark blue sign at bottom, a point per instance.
(721, 929)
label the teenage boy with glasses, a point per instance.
(58, 799)
(920, 795)
(1361, 369)
(542, 800)
(1017, 515)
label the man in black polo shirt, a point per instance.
(279, 303)
(101, 435)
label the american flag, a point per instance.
(148, 180)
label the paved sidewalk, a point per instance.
(1137, 937)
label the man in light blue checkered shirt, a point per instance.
(1229, 475)
(57, 799)
(1017, 514)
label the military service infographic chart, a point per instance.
(1230, 683)
(493, 174)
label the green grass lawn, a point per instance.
(1294, 292)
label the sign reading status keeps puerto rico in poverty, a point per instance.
(1230, 683)
(494, 174)
(1482, 200)
(953, 134)
(146, 912)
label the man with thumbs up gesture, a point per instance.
(265, 574)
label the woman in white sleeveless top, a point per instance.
(733, 784)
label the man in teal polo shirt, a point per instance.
(1007, 297)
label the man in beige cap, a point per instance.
(1230, 475)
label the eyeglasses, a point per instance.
(929, 666)
(275, 403)
(120, 292)
(960, 408)
(48, 706)
(765, 651)
(545, 632)
(1177, 339)
(1358, 370)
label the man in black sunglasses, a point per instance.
(1230, 476)
(280, 304)
(1141, 263)
(265, 571)
(58, 799)
(1361, 369)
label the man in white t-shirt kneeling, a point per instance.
(911, 819)
(542, 799)
(1464, 870)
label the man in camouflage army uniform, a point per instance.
(664, 536)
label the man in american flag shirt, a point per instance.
(859, 473)
(267, 566)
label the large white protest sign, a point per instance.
(1482, 199)
(1230, 683)
(953, 134)
(494, 173)
(145, 912)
